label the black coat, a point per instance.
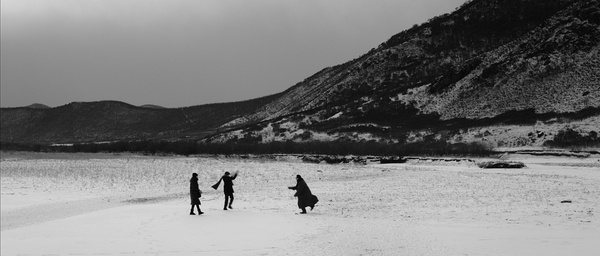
(228, 183)
(305, 196)
(195, 193)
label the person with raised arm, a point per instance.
(227, 188)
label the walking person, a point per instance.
(305, 196)
(227, 188)
(195, 194)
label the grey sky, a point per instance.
(177, 53)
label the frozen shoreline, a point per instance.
(78, 206)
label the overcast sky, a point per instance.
(177, 53)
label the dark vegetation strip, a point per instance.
(324, 148)
(571, 138)
(567, 138)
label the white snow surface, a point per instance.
(104, 204)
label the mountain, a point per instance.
(38, 106)
(152, 106)
(509, 73)
(501, 71)
(101, 121)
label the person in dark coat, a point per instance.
(305, 196)
(227, 188)
(195, 194)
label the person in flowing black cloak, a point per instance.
(227, 188)
(195, 194)
(305, 196)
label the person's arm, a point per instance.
(295, 187)
(234, 176)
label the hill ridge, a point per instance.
(450, 78)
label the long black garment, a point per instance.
(228, 183)
(194, 191)
(305, 196)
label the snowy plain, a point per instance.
(127, 204)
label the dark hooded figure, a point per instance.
(305, 197)
(227, 188)
(195, 194)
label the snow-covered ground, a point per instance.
(104, 204)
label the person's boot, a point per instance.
(192, 213)
(303, 211)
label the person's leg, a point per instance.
(230, 201)
(198, 207)
(303, 210)
(192, 210)
(226, 200)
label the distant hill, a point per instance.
(113, 121)
(152, 106)
(38, 106)
(507, 73)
